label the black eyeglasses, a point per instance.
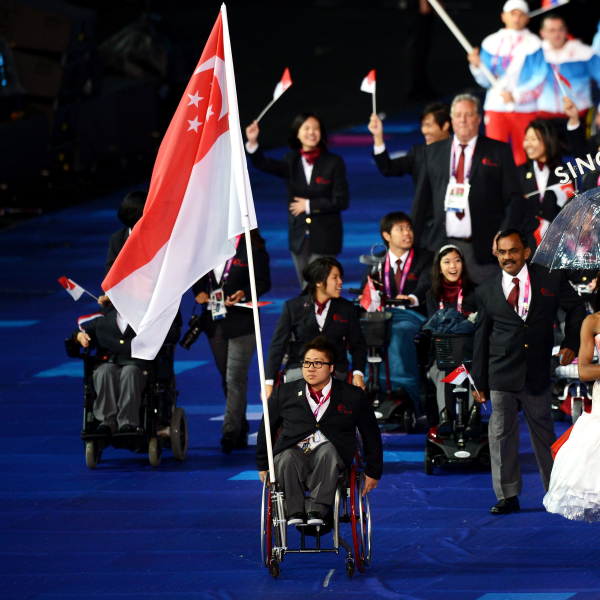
(317, 364)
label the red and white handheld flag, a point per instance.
(563, 82)
(284, 84)
(368, 85)
(74, 289)
(457, 376)
(85, 318)
(198, 203)
(371, 299)
(250, 305)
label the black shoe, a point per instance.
(314, 518)
(104, 429)
(506, 506)
(444, 429)
(473, 428)
(127, 429)
(241, 441)
(296, 519)
(227, 443)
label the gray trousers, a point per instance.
(233, 358)
(119, 389)
(317, 471)
(504, 438)
(478, 272)
(304, 258)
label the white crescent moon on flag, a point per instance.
(219, 71)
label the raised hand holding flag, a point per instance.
(368, 85)
(74, 289)
(282, 86)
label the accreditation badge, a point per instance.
(457, 196)
(217, 304)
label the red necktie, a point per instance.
(513, 297)
(320, 306)
(398, 275)
(460, 173)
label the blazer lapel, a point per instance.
(316, 171)
(477, 156)
(333, 399)
(301, 395)
(501, 298)
(331, 311)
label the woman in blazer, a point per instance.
(231, 332)
(319, 310)
(317, 190)
(544, 197)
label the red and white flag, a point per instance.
(553, 3)
(284, 84)
(198, 203)
(371, 299)
(75, 290)
(85, 318)
(368, 84)
(457, 376)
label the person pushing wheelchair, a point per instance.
(319, 416)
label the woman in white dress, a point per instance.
(574, 489)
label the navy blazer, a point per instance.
(327, 192)
(348, 410)
(510, 352)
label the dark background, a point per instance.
(59, 151)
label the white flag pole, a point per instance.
(242, 182)
(374, 108)
(561, 85)
(540, 11)
(472, 383)
(464, 42)
(92, 295)
(262, 114)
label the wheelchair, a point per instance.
(163, 424)
(349, 507)
(576, 395)
(451, 351)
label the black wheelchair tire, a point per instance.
(154, 451)
(179, 434)
(429, 460)
(92, 454)
(410, 420)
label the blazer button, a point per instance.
(308, 220)
(121, 341)
(318, 426)
(584, 279)
(526, 345)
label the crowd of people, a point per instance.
(463, 250)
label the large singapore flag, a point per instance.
(199, 201)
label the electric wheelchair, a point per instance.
(162, 423)
(350, 507)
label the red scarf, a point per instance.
(320, 306)
(450, 290)
(311, 155)
(540, 164)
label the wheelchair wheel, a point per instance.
(429, 459)
(266, 526)
(154, 451)
(410, 420)
(358, 520)
(349, 567)
(179, 434)
(274, 568)
(360, 451)
(92, 454)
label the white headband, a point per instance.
(449, 246)
(516, 5)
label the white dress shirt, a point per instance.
(121, 322)
(455, 227)
(541, 178)
(308, 169)
(508, 285)
(378, 149)
(394, 262)
(317, 437)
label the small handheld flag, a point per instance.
(563, 82)
(284, 84)
(368, 85)
(371, 300)
(75, 290)
(458, 376)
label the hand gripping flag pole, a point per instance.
(242, 183)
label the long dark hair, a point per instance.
(256, 239)
(132, 208)
(547, 133)
(437, 286)
(294, 142)
(318, 272)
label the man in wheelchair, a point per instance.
(119, 379)
(318, 416)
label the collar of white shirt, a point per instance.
(507, 280)
(313, 405)
(470, 144)
(394, 260)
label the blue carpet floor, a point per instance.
(191, 530)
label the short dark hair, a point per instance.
(508, 232)
(321, 344)
(318, 271)
(294, 142)
(391, 219)
(547, 133)
(132, 207)
(440, 112)
(552, 16)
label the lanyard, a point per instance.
(467, 171)
(227, 268)
(525, 307)
(321, 402)
(458, 302)
(405, 271)
(506, 60)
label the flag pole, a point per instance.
(463, 41)
(540, 11)
(262, 114)
(561, 85)
(374, 109)
(92, 295)
(242, 184)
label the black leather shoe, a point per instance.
(444, 429)
(314, 518)
(227, 444)
(241, 441)
(104, 429)
(127, 429)
(296, 519)
(506, 506)
(473, 428)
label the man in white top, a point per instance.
(514, 56)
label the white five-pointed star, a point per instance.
(194, 124)
(209, 112)
(194, 99)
